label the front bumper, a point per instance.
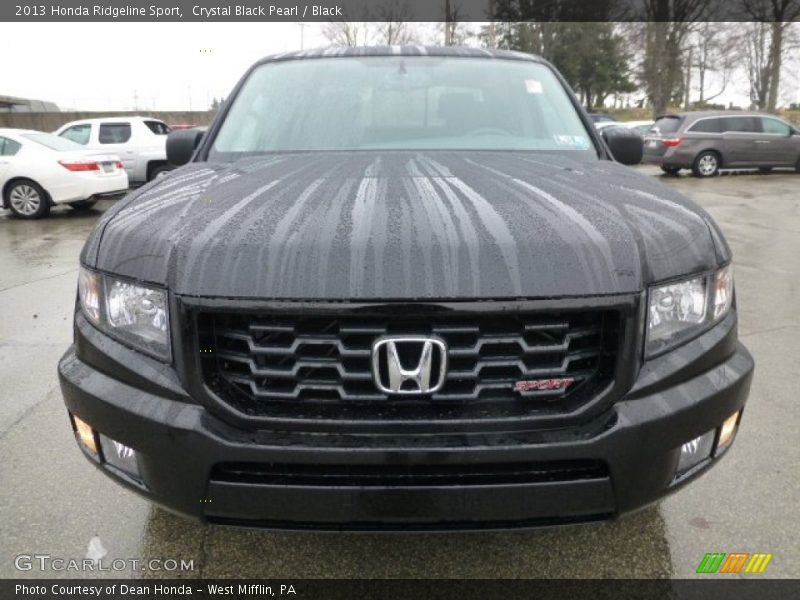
(636, 444)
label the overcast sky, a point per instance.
(167, 66)
(159, 66)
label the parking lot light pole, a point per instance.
(302, 27)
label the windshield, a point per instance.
(53, 142)
(401, 103)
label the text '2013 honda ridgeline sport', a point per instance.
(405, 288)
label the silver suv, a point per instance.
(706, 142)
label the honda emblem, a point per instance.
(409, 364)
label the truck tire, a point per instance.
(159, 171)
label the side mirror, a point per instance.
(181, 145)
(626, 145)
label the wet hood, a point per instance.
(405, 225)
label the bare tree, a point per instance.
(455, 32)
(790, 75)
(717, 49)
(774, 19)
(347, 33)
(759, 70)
(394, 28)
(490, 33)
(662, 43)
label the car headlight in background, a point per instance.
(680, 310)
(133, 313)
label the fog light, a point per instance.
(85, 435)
(695, 451)
(120, 456)
(728, 431)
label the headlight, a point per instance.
(723, 291)
(131, 312)
(680, 310)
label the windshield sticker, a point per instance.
(534, 86)
(573, 141)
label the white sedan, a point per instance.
(39, 169)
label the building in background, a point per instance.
(12, 104)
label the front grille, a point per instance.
(317, 367)
(408, 475)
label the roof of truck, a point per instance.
(460, 51)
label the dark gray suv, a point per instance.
(706, 142)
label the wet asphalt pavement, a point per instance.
(53, 502)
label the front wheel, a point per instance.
(82, 205)
(706, 164)
(27, 199)
(160, 171)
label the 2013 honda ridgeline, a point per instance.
(405, 289)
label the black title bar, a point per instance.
(733, 588)
(399, 10)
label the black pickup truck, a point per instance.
(405, 288)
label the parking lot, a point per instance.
(53, 502)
